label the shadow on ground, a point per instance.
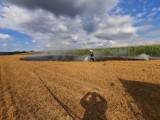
(146, 95)
(95, 106)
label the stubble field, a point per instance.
(111, 90)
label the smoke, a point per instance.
(54, 52)
(86, 58)
(143, 56)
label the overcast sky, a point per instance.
(69, 24)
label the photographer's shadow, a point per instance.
(95, 106)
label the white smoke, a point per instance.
(143, 56)
(86, 58)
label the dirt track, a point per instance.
(112, 90)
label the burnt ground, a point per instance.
(78, 58)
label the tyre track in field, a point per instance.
(16, 100)
(13, 102)
(9, 107)
(42, 68)
(25, 111)
(73, 115)
(69, 112)
(10, 100)
(12, 110)
(143, 65)
(35, 115)
(3, 106)
(66, 108)
(23, 75)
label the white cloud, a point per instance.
(137, 41)
(155, 33)
(140, 14)
(155, 9)
(13, 16)
(118, 20)
(33, 41)
(4, 36)
(133, 10)
(116, 28)
(59, 32)
(152, 14)
(144, 27)
(116, 33)
(4, 45)
(118, 10)
(62, 28)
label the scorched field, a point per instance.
(111, 90)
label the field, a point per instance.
(111, 90)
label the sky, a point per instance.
(27, 25)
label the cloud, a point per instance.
(140, 14)
(4, 36)
(58, 7)
(152, 14)
(86, 9)
(116, 28)
(88, 25)
(137, 41)
(144, 27)
(155, 33)
(118, 10)
(116, 33)
(3, 45)
(68, 7)
(155, 9)
(14, 17)
(118, 20)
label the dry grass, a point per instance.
(113, 90)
